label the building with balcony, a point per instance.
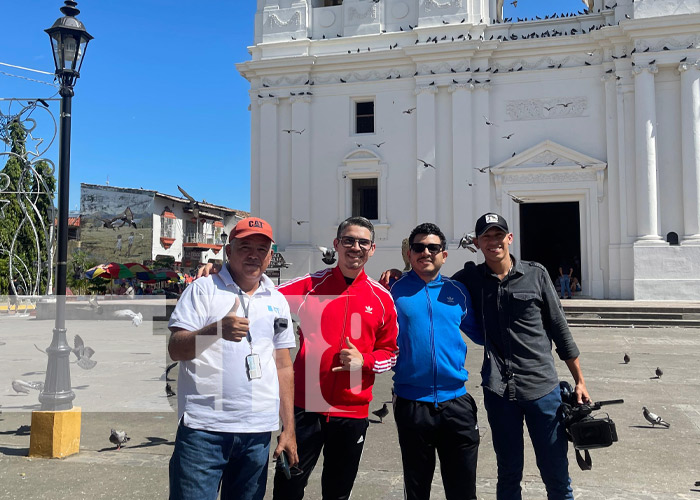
(582, 129)
(140, 225)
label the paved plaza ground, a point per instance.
(125, 391)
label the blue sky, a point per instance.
(159, 102)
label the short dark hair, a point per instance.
(428, 228)
(355, 221)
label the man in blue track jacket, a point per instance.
(432, 408)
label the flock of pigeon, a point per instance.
(83, 355)
(650, 417)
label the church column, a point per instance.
(614, 199)
(254, 155)
(269, 130)
(690, 148)
(426, 199)
(463, 188)
(645, 145)
(301, 168)
(481, 153)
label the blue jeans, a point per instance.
(548, 438)
(565, 285)
(203, 461)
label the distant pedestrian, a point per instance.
(130, 243)
(565, 273)
(118, 246)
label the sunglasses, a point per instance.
(349, 242)
(433, 248)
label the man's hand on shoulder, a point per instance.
(207, 269)
(388, 277)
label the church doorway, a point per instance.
(550, 233)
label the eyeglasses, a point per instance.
(349, 242)
(433, 248)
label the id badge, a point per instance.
(252, 364)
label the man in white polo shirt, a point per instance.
(232, 333)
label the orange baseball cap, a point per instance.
(250, 226)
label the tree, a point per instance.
(25, 214)
(76, 279)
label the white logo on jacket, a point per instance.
(368, 309)
(450, 300)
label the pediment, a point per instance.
(547, 157)
(361, 155)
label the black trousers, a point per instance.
(450, 429)
(342, 441)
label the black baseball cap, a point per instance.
(487, 221)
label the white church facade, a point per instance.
(583, 131)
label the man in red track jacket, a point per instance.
(348, 332)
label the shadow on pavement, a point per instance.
(14, 452)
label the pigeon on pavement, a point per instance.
(381, 413)
(136, 318)
(626, 359)
(169, 391)
(22, 386)
(659, 372)
(653, 418)
(119, 438)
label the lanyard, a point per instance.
(246, 309)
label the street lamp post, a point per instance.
(69, 40)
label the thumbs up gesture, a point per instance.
(234, 327)
(350, 358)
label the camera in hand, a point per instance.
(584, 430)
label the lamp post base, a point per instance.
(55, 434)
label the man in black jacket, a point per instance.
(521, 317)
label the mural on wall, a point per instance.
(117, 223)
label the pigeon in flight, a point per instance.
(517, 200)
(193, 204)
(408, 111)
(136, 318)
(92, 302)
(489, 122)
(653, 418)
(119, 438)
(381, 413)
(300, 222)
(509, 135)
(83, 353)
(167, 372)
(23, 387)
(293, 131)
(482, 170)
(626, 358)
(426, 164)
(328, 255)
(466, 241)
(659, 372)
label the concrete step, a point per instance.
(630, 314)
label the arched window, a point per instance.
(672, 238)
